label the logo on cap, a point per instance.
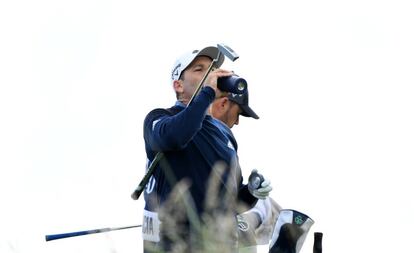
(235, 95)
(175, 71)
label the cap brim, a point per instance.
(212, 52)
(248, 112)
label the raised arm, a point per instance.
(164, 131)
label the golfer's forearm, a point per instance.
(174, 132)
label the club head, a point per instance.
(228, 52)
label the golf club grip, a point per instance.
(86, 232)
(317, 243)
(72, 234)
(135, 195)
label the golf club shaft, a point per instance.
(86, 232)
(203, 79)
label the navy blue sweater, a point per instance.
(192, 143)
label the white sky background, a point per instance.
(331, 80)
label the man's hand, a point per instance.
(258, 186)
(211, 80)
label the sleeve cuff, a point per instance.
(210, 92)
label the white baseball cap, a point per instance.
(186, 59)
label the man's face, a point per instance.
(226, 111)
(232, 115)
(192, 76)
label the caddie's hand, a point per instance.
(258, 186)
(211, 80)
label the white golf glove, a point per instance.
(258, 186)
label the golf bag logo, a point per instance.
(290, 232)
(298, 220)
